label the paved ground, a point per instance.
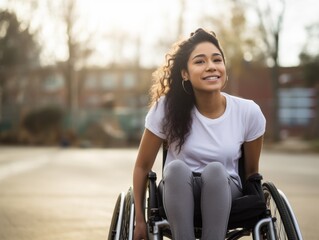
(53, 193)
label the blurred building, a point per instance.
(116, 87)
(114, 100)
(297, 103)
(110, 100)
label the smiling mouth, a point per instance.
(211, 78)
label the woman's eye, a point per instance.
(218, 60)
(199, 61)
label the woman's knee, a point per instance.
(215, 172)
(176, 169)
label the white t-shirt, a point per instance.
(217, 139)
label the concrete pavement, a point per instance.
(289, 145)
(70, 193)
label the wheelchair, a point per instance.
(275, 222)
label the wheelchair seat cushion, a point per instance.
(248, 209)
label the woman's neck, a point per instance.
(211, 105)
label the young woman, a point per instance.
(205, 129)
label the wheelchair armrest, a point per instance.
(152, 188)
(152, 176)
(252, 186)
(153, 210)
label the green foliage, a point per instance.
(43, 120)
(17, 44)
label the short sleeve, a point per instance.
(154, 119)
(255, 123)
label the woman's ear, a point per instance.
(184, 74)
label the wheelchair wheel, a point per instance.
(291, 214)
(127, 226)
(283, 223)
(116, 222)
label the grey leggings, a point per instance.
(217, 192)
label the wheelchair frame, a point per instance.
(278, 223)
(271, 227)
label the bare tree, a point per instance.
(270, 23)
(66, 15)
(239, 40)
(181, 20)
(267, 31)
(72, 45)
(309, 58)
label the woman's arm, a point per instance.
(149, 147)
(252, 153)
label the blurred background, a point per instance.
(77, 73)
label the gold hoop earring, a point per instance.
(183, 85)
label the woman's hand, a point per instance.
(140, 231)
(149, 147)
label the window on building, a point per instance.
(129, 80)
(91, 82)
(296, 106)
(53, 82)
(93, 100)
(108, 81)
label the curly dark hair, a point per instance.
(167, 80)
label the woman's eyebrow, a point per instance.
(203, 55)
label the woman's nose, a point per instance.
(210, 66)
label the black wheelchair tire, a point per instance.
(292, 216)
(284, 228)
(116, 218)
(127, 226)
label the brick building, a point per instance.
(118, 97)
(297, 103)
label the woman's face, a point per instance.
(206, 68)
